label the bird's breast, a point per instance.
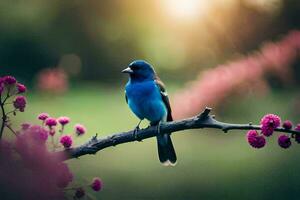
(142, 90)
(145, 101)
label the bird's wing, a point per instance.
(164, 96)
(126, 97)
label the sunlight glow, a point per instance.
(185, 9)
(271, 6)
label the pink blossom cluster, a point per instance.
(53, 80)
(246, 74)
(269, 123)
(66, 140)
(80, 129)
(20, 103)
(28, 158)
(256, 140)
(52, 124)
(96, 185)
(63, 120)
(9, 87)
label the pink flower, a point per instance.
(66, 141)
(63, 120)
(64, 174)
(32, 161)
(214, 85)
(9, 80)
(255, 140)
(268, 123)
(297, 128)
(284, 141)
(43, 116)
(25, 126)
(97, 184)
(79, 193)
(20, 103)
(50, 121)
(80, 129)
(38, 133)
(287, 124)
(53, 80)
(21, 88)
(297, 136)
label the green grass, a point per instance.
(211, 164)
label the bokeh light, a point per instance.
(185, 9)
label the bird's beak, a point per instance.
(127, 70)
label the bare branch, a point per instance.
(203, 120)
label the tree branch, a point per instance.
(203, 120)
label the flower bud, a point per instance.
(268, 123)
(284, 141)
(255, 140)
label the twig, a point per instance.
(203, 120)
(4, 118)
(13, 111)
(7, 95)
(12, 130)
(4, 115)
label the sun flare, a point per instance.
(184, 9)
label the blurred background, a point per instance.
(240, 57)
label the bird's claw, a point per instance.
(135, 133)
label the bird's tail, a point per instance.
(166, 152)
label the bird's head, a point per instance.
(140, 70)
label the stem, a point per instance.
(71, 188)
(52, 142)
(7, 95)
(4, 117)
(61, 131)
(11, 111)
(12, 130)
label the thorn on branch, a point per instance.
(204, 114)
(94, 138)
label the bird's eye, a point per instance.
(134, 67)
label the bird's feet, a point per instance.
(135, 132)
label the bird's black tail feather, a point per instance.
(166, 152)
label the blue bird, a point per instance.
(147, 98)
